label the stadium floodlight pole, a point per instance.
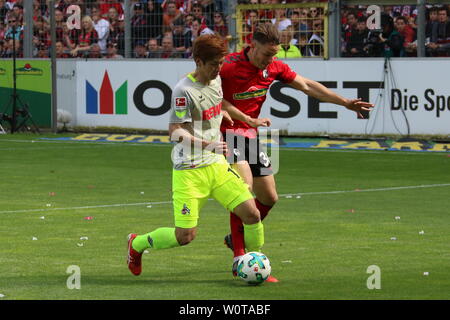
(28, 30)
(53, 66)
(127, 20)
(14, 95)
(334, 28)
(232, 23)
(421, 22)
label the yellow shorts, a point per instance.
(193, 187)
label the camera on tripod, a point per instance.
(373, 47)
(19, 115)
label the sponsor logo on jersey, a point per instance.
(252, 92)
(265, 73)
(212, 112)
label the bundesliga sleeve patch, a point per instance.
(180, 106)
(180, 102)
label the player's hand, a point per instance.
(259, 122)
(219, 147)
(227, 118)
(357, 105)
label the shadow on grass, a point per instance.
(168, 280)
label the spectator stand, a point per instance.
(313, 26)
(117, 25)
(416, 21)
(321, 29)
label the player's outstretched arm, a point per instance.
(237, 114)
(319, 91)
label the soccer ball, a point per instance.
(254, 268)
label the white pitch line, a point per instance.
(281, 195)
(370, 190)
(88, 207)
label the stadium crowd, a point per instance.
(398, 34)
(167, 28)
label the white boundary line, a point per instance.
(370, 190)
(281, 195)
(88, 207)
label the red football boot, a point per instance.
(134, 257)
(272, 279)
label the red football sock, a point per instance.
(237, 235)
(263, 209)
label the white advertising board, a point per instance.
(414, 95)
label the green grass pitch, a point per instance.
(320, 242)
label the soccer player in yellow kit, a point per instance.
(200, 169)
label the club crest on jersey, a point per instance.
(265, 73)
(185, 210)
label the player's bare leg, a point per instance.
(185, 235)
(266, 192)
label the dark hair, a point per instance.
(403, 18)
(266, 33)
(387, 21)
(196, 5)
(353, 13)
(178, 22)
(432, 9)
(362, 19)
(443, 9)
(209, 47)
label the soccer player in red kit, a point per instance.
(246, 77)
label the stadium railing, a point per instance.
(131, 29)
(308, 23)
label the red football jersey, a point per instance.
(245, 86)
